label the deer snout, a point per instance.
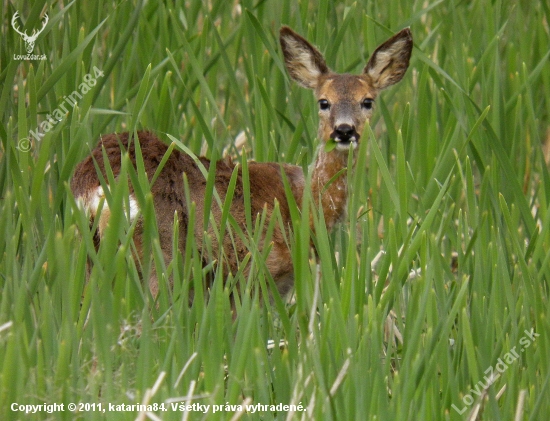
(345, 133)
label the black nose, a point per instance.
(344, 133)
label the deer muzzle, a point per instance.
(345, 136)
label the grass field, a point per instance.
(429, 303)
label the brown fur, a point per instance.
(343, 121)
(266, 187)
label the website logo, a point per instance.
(29, 39)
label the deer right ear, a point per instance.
(303, 61)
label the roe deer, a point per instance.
(345, 104)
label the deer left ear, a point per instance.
(390, 61)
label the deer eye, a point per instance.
(324, 104)
(367, 103)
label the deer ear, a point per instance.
(390, 61)
(303, 61)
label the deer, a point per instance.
(345, 104)
(29, 39)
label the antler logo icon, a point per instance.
(29, 40)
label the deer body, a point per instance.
(345, 104)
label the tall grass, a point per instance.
(438, 274)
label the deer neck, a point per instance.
(329, 184)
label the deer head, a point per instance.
(345, 101)
(29, 40)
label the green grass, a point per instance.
(452, 186)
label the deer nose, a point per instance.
(345, 133)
